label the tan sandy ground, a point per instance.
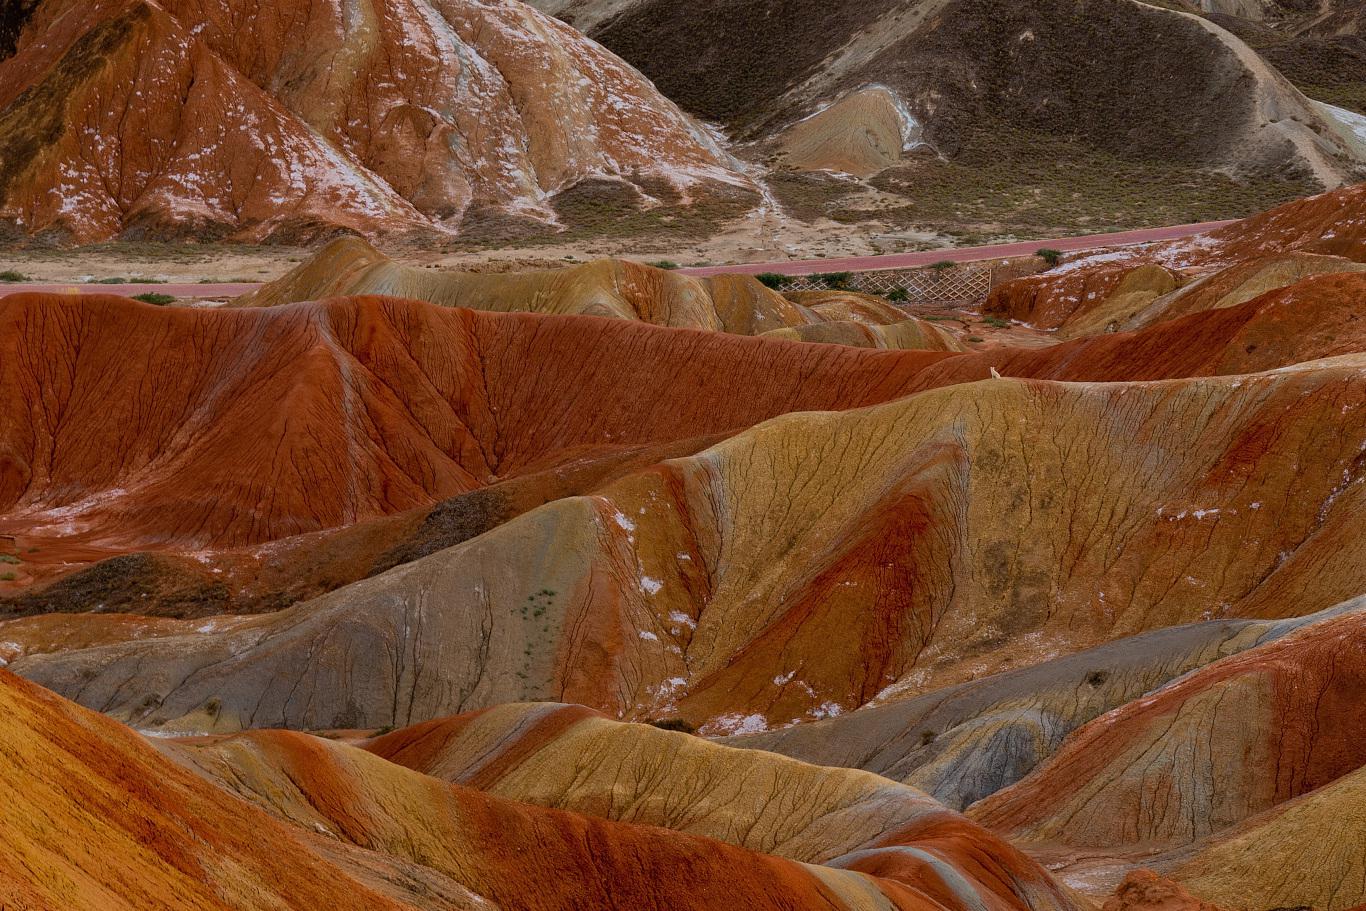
(761, 235)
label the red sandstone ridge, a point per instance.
(1204, 753)
(97, 818)
(386, 407)
(143, 427)
(245, 120)
(1134, 287)
(804, 567)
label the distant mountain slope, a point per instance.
(1320, 45)
(1057, 109)
(251, 121)
(1121, 76)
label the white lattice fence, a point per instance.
(956, 286)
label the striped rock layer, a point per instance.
(96, 817)
(213, 119)
(926, 535)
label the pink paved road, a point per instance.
(215, 292)
(963, 254)
(793, 267)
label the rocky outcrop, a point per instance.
(1144, 890)
(400, 116)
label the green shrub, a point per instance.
(673, 724)
(152, 297)
(110, 281)
(7, 577)
(774, 280)
(898, 295)
(8, 558)
(996, 322)
(11, 276)
(1049, 255)
(943, 265)
(836, 281)
(976, 338)
(665, 264)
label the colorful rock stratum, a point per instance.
(289, 121)
(608, 586)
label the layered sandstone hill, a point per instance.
(374, 406)
(250, 121)
(618, 289)
(967, 742)
(1229, 762)
(910, 334)
(927, 535)
(1100, 597)
(1241, 780)
(1208, 752)
(97, 818)
(1304, 853)
(78, 517)
(378, 409)
(860, 87)
(569, 759)
(1133, 287)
